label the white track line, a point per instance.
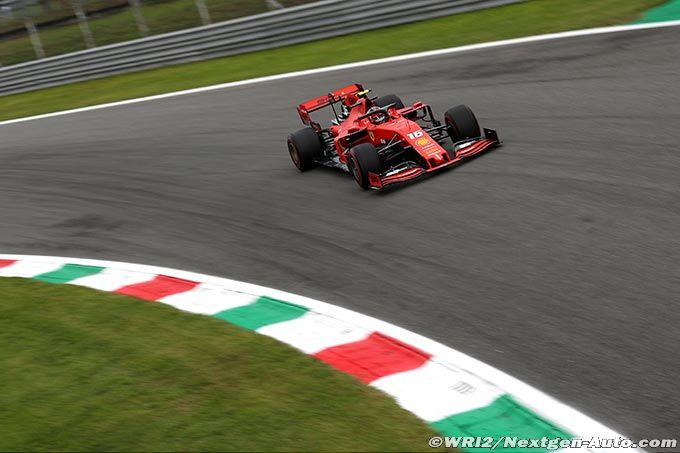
(430, 53)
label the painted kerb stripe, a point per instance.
(455, 394)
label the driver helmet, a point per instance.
(376, 115)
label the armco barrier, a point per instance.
(294, 25)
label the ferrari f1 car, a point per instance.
(380, 141)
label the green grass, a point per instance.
(530, 18)
(84, 370)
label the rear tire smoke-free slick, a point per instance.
(304, 147)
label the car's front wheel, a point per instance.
(461, 123)
(304, 147)
(362, 160)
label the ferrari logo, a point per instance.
(370, 134)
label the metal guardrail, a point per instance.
(294, 25)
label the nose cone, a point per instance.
(434, 154)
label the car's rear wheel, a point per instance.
(461, 123)
(304, 147)
(388, 99)
(361, 160)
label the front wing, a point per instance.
(462, 151)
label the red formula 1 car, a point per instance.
(382, 142)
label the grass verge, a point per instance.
(523, 19)
(90, 371)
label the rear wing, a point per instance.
(312, 105)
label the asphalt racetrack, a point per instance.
(555, 258)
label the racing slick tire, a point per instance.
(363, 159)
(304, 147)
(390, 99)
(461, 123)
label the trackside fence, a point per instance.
(313, 21)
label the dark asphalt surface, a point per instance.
(555, 258)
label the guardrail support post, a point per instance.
(77, 7)
(35, 38)
(139, 17)
(203, 12)
(274, 4)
